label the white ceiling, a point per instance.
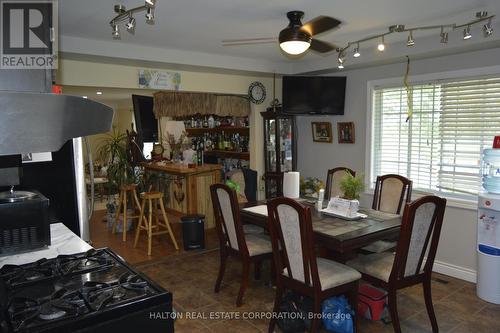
(196, 27)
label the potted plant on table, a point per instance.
(351, 186)
(310, 186)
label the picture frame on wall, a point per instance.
(322, 131)
(346, 132)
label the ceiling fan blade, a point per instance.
(320, 24)
(248, 39)
(250, 43)
(321, 47)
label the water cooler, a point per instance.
(488, 229)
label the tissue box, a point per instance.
(344, 207)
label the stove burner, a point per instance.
(48, 312)
(133, 282)
(14, 275)
(81, 263)
(22, 311)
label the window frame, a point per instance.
(395, 82)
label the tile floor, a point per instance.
(191, 276)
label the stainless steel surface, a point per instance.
(41, 122)
(81, 190)
(91, 174)
(34, 80)
(16, 196)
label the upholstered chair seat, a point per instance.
(333, 274)
(258, 244)
(378, 265)
(253, 229)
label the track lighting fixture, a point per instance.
(381, 45)
(481, 18)
(356, 53)
(340, 65)
(488, 29)
(410, 41)
(467, 34)
(150, 14)
(124, 16)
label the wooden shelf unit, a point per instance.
(244, 131)
(229, 154)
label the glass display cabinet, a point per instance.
(280, 150)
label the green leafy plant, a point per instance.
(310, 185)
(113, 152)
(352, 186)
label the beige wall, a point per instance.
(94, 74)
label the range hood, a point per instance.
(32, 122)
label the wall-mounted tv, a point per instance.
(145, 121)
(314, 94)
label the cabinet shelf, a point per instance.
(229, 154)
(244, 131)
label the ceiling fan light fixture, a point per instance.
(295, 47)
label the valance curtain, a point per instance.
(184, 104)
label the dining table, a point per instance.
(341, 237)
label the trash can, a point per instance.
(193, 231)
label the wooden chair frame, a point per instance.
(405, 190)
(397, 279)
(312, 285)
(225, 244)
(329, 179)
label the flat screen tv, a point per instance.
(145, 121)
(314, 94)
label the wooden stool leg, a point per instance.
(124, 224)
(168, 225)
(139, 207)
(139, 225)
(150, 226)
(117, 213)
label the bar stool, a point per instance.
(154, 199)
(125, 191)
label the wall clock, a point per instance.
(256, 92)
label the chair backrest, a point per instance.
(419, 237)
(227, 218)
(333, 179)
(274, 184)
(291, 231)
(390, 193)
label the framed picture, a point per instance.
(322, 131)
(345, 132)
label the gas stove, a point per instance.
(93, 291)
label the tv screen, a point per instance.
(147, 126)
(314, 94)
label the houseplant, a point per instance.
(311, 186)
(119, 171)
(351, 186)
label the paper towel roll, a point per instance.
(291, 184)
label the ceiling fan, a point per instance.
(296, 38)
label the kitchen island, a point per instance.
(186, 190)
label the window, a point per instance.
(439, 148)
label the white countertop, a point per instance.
(63, 241)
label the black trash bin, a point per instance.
(193, 231)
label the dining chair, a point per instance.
(248, 247)
(333, 178)
(391, 191)
(415, 253)
(296, 266)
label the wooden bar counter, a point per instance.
(187, 190)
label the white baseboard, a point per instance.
(458, 272)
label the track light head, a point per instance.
(116, 31)
(411, 41)
(467, 34)
(356, 53)
(150, 14)
(340, 66)
(487, 29)
(150, 3)
(444, 37)
(341, 57)
(130, 24)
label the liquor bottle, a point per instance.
(205, 122)
(221, 141)
(193, 122)
(211, 122)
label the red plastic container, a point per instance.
(371, 302)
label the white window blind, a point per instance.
(439, 148)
